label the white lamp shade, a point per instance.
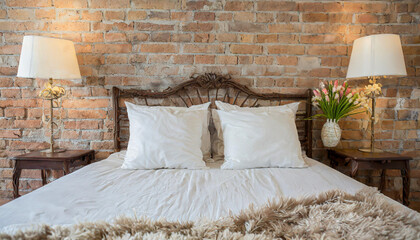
(377, 55)
(45, 57)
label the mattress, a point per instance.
(103, 191)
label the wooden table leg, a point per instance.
(383, 176)
(405, 174)
(16, 176)
(66, 167)
(354, 167)
(43, 177)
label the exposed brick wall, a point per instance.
(281, 46)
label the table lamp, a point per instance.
(48, 58)
(374, 57)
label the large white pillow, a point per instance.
(164, 138)
(203, 108)
(260, 139)
(217, 143)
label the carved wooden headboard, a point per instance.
(203, 88)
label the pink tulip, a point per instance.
(325, 91)
(316, 93)
(336, 83)
(344, 84)
(327, 98)
(348, 91)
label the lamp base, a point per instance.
(56, 150)
(368, 150)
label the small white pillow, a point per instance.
(260, 139)
(217, 144)
(203, 108)
(163, 138)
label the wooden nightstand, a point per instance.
(55, 161)
(383, 160)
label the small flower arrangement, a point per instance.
(336, 100)
(370, 91)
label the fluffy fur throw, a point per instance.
(331, 215)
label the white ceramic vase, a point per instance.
(331, 133)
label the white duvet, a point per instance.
(103, 191)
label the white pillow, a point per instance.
(260, 139)
(217, 144)
(203, 108)
(164, 138)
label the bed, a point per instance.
(103, 191)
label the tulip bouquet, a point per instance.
(336, 100)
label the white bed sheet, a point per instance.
(103, 191)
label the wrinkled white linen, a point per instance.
(103, 191)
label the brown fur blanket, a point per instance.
(331, 215)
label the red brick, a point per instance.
(204, 16)
(70, 4)
(287, 60)
(159, 48)
(10, 133)
(87, 114)
(239, 6)
(21, 14)
(86, 103)
(93, 37)
(327, 50)
(244, 16)
(161, 37)
(204, 59)
(315, 17)
(286, 49)
(112, 48)
(92, 135)
(70, 134)
(245, 49)
(153, 27)
(85, 124)
(182, 16)
(265, 17)
(183, 59)
(10, 49)
(267, 38)
(69, 26)
(27, 123)
(247, 27)
(137, 15)
(92, 15)
(203, 48)
(117, 69)
(284, 28)
(276, 6)
(29, 3)
(109, 4)
(366, 18)
(114, 15)
(162, 5)
(11, 93)
(224, 16)
(198, 27)
(102, 145)
(227, 60)
(226, 37)
(115, 37)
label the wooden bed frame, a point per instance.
(204, 88)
